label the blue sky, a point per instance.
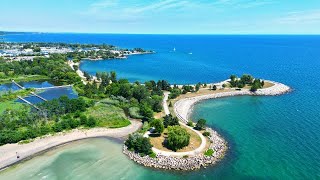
(162, 16)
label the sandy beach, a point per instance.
(8, 154)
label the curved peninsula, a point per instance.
(199, 158)
(183, 107)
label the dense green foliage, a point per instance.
(54, 67)
(190, 123)
(177, 138)
(206, 133)
(12, 95)
(174, 93)
(200, 124)
(246, 80)
(187, 88)
(55, 116)
(257, 84)
(133, 97)
(158, 125)
(136, 142)
(169, 120)
(209, 152)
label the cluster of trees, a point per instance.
(54, 67)
(63, 105)
(257, 84)
(246, 80)
(139, 144)
(148, 98)
(92, 54)
(175, 92)
(55, 116)
(169, 120)
(177, 138)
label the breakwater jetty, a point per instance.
(182, 109)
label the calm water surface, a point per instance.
(48, 94)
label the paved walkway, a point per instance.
(199, 150)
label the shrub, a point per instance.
(91, 122)
(134, 113)
(139, 144)
(190, 123)
(158, 125)
(209, 152)
(200, 124)
(177, 138)
(206, 133)
(214, 87)
(169, 120)
(153, 155)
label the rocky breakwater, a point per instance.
(174, 163)
(183, 107)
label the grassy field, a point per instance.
(4, 96)
(108, 115)
(24, 78)
(195, 141)
(10, 105)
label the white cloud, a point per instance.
(97, 6)
(242, 3)
(303, 17)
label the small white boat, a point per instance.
(174, 49)
(190, 53)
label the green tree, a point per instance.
(169, 120)
(136, 142)
(91, 122)
(214, 87)
(200, 124)
(177, 138)
(158, 125)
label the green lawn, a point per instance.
(108, 115)
(10, 105)
(24, 78)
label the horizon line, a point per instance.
(196, 34)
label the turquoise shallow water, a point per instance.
(269, 137)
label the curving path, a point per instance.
(8, 155)
(189, 153)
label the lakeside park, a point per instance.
(170, 140)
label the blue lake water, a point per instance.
(269, 137)
(48, 94)
(30, 84)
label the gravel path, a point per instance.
(199, 150)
